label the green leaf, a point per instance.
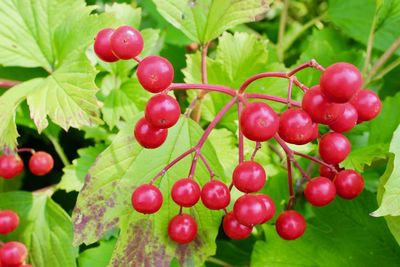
(359, 158)
(44, 228)
(125, 14)
(104, 202)
(203, 21)
(74, 175)
(390, 204)
(342, 234)
(98, 256)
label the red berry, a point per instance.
(334, 147)
(249, 177)
(340, 81)
(215, 195)
(148, 136)
(102, 46)
(269, 207)
(295, 126)
(41, 163)
(162, 111)
(249, 210)
(349, 184)
(290, 225)
(328, 172)
(147, 199)
(182, 228)
(315, 132)
(234, 229)
(9, 220)
(259, 122)
(346, 121)
(10, 166)
(367, 104)
(185, 192)
(13, 254)
(155, 73)
(126, 42)
(320, 191)
(319, 108)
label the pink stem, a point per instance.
(289, 96)
(193, 165)
(258, 147)
(315, 160)
(204, 51)
(290, 183)
(8, 83)
(138, 60)
(310, 64)
(205, 87)
(240, 137)
(259, 76)
(29, 150)
(272, 98)
(212, 174)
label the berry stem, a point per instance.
(315, 160)
(205, 87)
(193, 165)
(138, 60)
(272, 98)
(204, 160)
(289, 96)
(204, 52)
(26, 149)
(290, 183)
(258, 147)
(8, 83)
(310, 64)
(240, 134)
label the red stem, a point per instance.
(290, 183)
(272, 98)
(258, 147)
(289, 96)
(310, 64)
(315, 160)
(204, 51)
(8, 83)
(240, 134)
(138, 60)
(206, 87)
(27, 149)
(212, 174)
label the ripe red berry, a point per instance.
(320, 191)
(327, 172)
(249, 210)
(234, 229)
(269, 207)
(10, 166)
(155, 73)
(315, 132)
(290, 225)
(41, 163)
(148, 136)
(102, 45)
(295, 126)
(349, 184)
(13, 254)
(215, 195)
(346, 121)
(126, 42)
(320, 109)
(162, 111)
(185, 192)
(334, 147)
(367, 104)
(340, 81)
(259, 122)
(9, 220)
(249, 177)
(147, 199)
(182, 228)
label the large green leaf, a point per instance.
(341, 234)
(205, 20)
(359, 158)
(98, 256)
(104, 202)
(44, 228)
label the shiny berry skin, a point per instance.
(290, 225)
(249, 210)
(334, 147)
(215, 195)
(320, 191)
(13, 254)
(155, 73)
(148, 136)
(349, 184)
(340, 81)
(346, 121)
(249, 177)
(269, 207)
(315, 132)
(234, 229)
(320, 109)
(162, 111)
(259, 122)
(102, 45)
(328, 172)
(41, 163)
(147, 199)
(126, 42)
(9, 220)
(295, 127)
(367, 104)
(186, 192)
(182, 229)
(10, 166)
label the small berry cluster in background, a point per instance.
(338, 102)
(13, 253)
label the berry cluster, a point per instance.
(337, 102)
(12, 254)
(40, 163)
